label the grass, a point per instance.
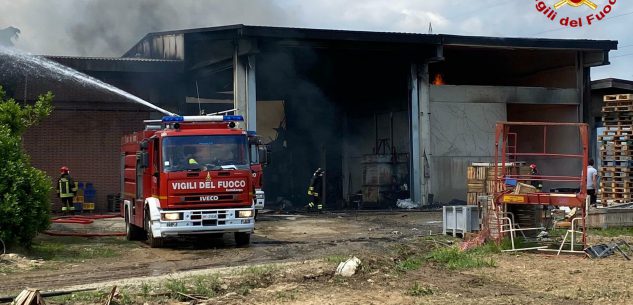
(612, 232)
(336, 258)
(90, 297)
(72, 249)
(418, 291)
(453, 258)
(285, 296)
(175, 287)
(207, 286)
(409, 264)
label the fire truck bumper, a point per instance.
(204, 222)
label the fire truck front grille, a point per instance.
(207, 218)
(208, 199)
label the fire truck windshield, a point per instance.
(196, 153)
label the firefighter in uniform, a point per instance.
(316, 185)
(534, 172)
(66, 190)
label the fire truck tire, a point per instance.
(242, 239)
(132, 232)
(154, 242)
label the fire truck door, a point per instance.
(155, 157)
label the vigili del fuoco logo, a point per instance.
(575, 13)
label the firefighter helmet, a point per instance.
(64, 170)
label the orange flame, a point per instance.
(439, 80)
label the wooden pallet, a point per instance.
(616, 185)
(619, 124)
(617, 190)
(471, 198)
(622, 164)
(618, 97)
(616, 158)
(608, 138)
(477, 173)
(616, 179)
(617, 108)
(615, 175)
(617, 116)
(617, 131)
(616, 169)
(476, 187)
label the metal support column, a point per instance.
(424, 91)
(244, 87)
(414, 130)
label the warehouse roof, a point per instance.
(241, 30)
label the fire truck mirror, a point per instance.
(143, 159)
(144, 145)
(264, 154)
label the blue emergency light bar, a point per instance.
(203, 118)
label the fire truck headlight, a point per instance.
(171, 216)
(245, 214)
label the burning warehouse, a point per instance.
(387, 115)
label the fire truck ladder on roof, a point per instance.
(507, 149)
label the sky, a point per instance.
(111, 27)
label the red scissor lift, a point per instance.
(507, 150)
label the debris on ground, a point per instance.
(16, 261)
(606, 250)
(29, 296)
(348, 268)
(407, 204)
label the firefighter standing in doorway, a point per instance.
(316, 185)
(66, 190)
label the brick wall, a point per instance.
(88, 142)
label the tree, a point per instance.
(24, 190)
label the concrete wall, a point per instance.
(463, 122)
(462, 132)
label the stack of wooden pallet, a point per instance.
(616, 149)
(481, 179)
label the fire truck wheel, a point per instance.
(154, 242)
(132, 232)
(242, 239)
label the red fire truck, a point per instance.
(189, 175)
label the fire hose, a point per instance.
(83, 220)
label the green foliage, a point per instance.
(24, 190)
(175, 287)
(90, 297)
(612, 232)
(418, 290)
(453, 258)
(409, 264)
(63, 250)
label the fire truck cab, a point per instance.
(188, 175)
(260, 157)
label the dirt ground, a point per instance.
(304, 251)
